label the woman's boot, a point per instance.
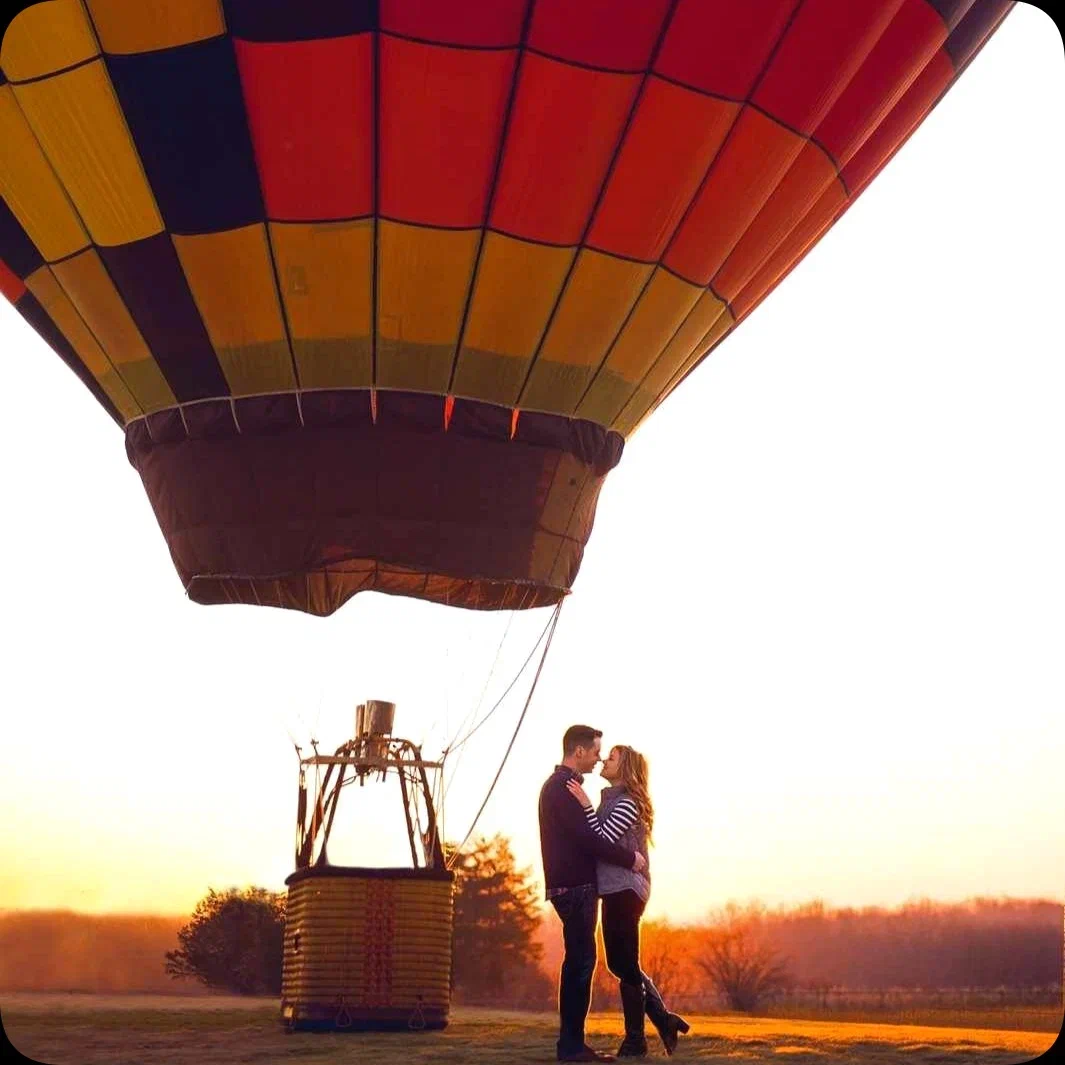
(634, 1045)
(669, 1025)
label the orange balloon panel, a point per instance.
(377, 288)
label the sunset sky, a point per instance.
(824, 594)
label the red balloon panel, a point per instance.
(310, 109)
(441, 114)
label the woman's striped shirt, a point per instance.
(622, 817)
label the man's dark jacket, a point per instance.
(569, 845)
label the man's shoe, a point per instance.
(587, 1053)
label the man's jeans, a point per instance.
(578, 909)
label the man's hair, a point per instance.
(578, 736)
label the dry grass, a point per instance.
(144, 1030)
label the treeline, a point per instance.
(48, 950)
(983, 942)
(923, 945)
(508, 949)
(232, 942)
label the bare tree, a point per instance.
(740, 962)
(664, 956)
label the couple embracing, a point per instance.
(590, 854)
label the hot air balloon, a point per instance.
(377, 289)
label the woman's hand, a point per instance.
(578, 792)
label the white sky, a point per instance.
(824, 593)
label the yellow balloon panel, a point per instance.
(57, 304)
(661, 309)
(232, 282)
(30, 188)
(325, 273)
(149, 25)
(718, 331)
(516, 287)
(93, 294)
(424, 277)
(601, 291)
(45, 38)
(76, 119)
(708, 318)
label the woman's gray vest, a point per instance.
(612, 878)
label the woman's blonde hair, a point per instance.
(632, 772)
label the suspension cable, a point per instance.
(550, 631)
(549, 627)
(447, 697)
(476, 709)
(459, 746)
(471, 717)
(438, 799)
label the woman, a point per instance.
(625, 817)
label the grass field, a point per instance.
(143, 1030)
(1024, 1018)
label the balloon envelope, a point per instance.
(378, 289)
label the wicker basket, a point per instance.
(367, 948)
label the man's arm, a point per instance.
(571, 816)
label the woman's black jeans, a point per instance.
(622, 911)
(578, 909)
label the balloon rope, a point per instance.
(550, 626)
(470, 717)
(476, 709)
(506, 754)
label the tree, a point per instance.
(665, 956)
(496, 956)
(234, 942)
(740, 961)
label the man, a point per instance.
(570, 849)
